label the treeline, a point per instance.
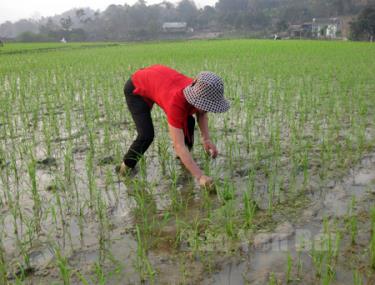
(141, 21)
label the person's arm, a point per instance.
(205, 134)
(178, 139)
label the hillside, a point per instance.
(141, 21)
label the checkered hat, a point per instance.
(207, 93)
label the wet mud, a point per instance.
(265, 259)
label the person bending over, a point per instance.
(180, 97)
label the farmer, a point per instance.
(180, 97)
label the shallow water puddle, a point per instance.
(267, 256)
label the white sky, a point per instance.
(13, 10)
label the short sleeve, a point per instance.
(176, 116)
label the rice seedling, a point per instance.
(3, 265)
(143, 264)
(372, 241)
(289, 268)
(357, 278)
(272, 279)
(250, 208)
(65, 270)
(299, 264)
(37, 209)
(352, 221)
(100, 276)
(288, 125)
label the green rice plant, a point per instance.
(110, 184)
(272, 279)
(271, 194)
(53, 215)
(101, 212)
(100, 275)
(181, 229)
(61, 212)
(107, 142)
(68, 162)
(91, 138)
(352, 221)
(229, 216)
(37, 209)
(194, 238)
(299, 264)
(357, 278)
(226, 191)
(65, 270)
(324, 258)
(91, 178)
(207, 202)
(68, 118)
(81, 224)
(289, 268)
(317, 259)
(286, 122)
(183, 270)
(142, 166)
(174, 194)
(3, 264)
(333, 237)
(305, 165)
(162, 147)
(9, 200)
(143, 264)
(82, 278)
(47, 135)
(144, 212)
(328, 275)
(372, 241)
(250, 208)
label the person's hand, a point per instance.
(210, 148)
(206, 182)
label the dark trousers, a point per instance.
(141, 114)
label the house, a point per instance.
(326, 28)
(175, 27)
(300, 31)
(319, 28)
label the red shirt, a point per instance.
(164, 86)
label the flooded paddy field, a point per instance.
(295, 178)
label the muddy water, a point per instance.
(259, 253)
(268, 254)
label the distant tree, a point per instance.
(281, 25)
(168, 12)
(167, 5)
(66, 23)
(12, 30)
(364, 26)
(188, 11)
(113, 23)
(31, 37)
(340, 7)
(6, 29)
(80, 13)
(226, 6)
(207, 18)
(48, 27)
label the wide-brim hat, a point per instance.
(207, 93)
